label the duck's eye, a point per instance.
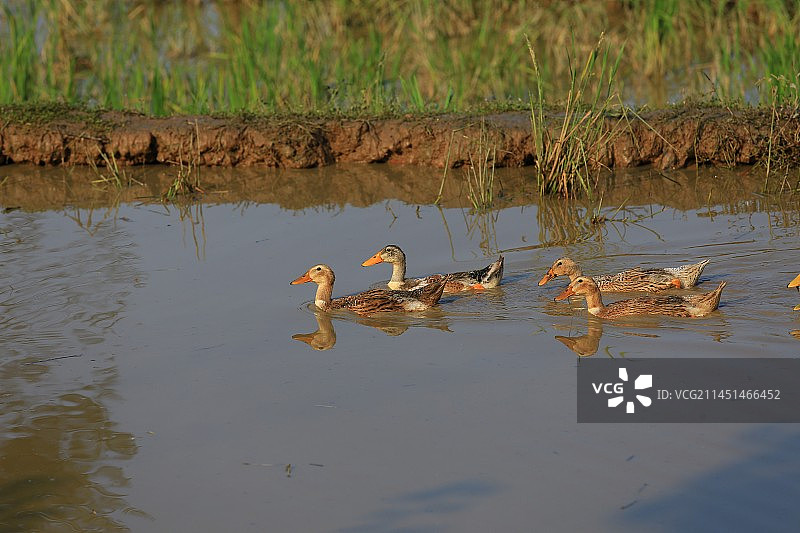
(558, 264)
(319, 268)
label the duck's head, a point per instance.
(319, 274)
(391, 253)
(563, 266)
(580, 287)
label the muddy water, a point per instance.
(159, 373)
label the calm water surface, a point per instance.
(150, 381)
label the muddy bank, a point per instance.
(671, 138)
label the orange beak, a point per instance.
(305, 278)
(795, 282)
(566, 293)
(374, 260)
(304, 337)
(547, 277)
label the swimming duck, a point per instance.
(796, 283)
(632, 279)
(693, 305)
(485, 278)
(372, 301)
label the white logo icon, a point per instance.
(644, 381)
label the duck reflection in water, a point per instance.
(325, 336)
(392, 324)
(585, 345)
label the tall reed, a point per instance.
(481, 171)
(567, 153)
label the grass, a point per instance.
(187, 177)
(184, 184)
(113, 175)
(781, 153)
(378, 57)
(480, 172)
(45, 112)
(568, 153)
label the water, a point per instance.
(150, 380)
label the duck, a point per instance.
(693, 305)
(795, 283)
(485, 278)
(632, 279)
(371, 301)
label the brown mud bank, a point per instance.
(670, 138)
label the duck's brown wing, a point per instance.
(418, 283)
(456, 282)
(671, 305)
(428, 294)
(382, 300)
(638, 279)
(369, 302)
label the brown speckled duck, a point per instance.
(693, 305)
(372, 301)
(633, 279)
(485, 278)
(796, 283)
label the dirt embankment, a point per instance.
(671, 138)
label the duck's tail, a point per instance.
(429, 294)
(710, 300)
(688, 274)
